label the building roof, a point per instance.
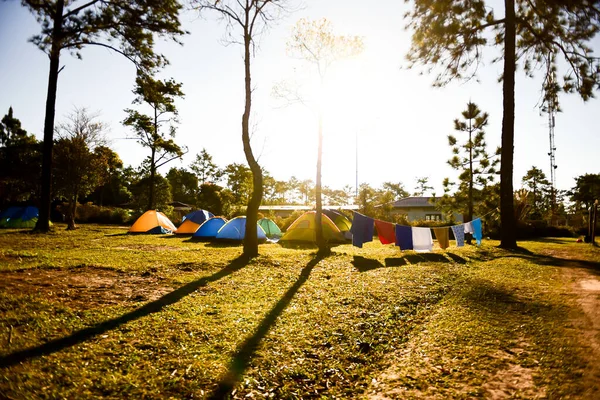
(178, 205)
(414, 202)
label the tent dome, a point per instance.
(271, 229)
(209, 228)
(235, 230)
(303, 229)
(19, 217)
(198, 216)
(152, 221)
(340, 220)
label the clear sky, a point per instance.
(399, 122)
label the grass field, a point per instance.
(98, 313)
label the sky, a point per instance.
(383, 122)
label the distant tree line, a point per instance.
(87, 170)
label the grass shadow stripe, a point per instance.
(246, 350)
(82, 335)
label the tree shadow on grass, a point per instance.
(150, 308)
(246, 350)
(484, 295)
(550, 240)
(365, 264)
(551, 261)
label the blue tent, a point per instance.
(198, 216)
(209, 228)
(9, 212)
(236, 230)
(19, 217)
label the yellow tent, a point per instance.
(303, 229)
(152, 221)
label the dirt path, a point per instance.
(582, 287)
(585, 288)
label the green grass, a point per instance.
(165, 317)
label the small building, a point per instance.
(180, 208)
(420, 208)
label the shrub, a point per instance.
(91, 213)
(430, 224)
(537, 229)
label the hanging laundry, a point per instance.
(443, 236)
(404, 237)
(468, 227)
(459, 234)
(362, 229)
(385, 231)
(477, 231)
(422, 240)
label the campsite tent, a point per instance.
(271, 229)
(303, 229)
(152, 221)
(192, 221)
(209, 228)
(235, 230)
(7, 214)
(19, 217)
(340, 220)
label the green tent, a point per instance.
(303, 229)
(271, 229)
(339, 219)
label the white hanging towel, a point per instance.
(422, 240)
(469, 227)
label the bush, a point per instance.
(91, 213)
(537, 229)
(430, 224)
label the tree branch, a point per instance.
(85, 42)
(83, 6)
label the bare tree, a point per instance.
(315, 43)
(78, 166)
(246, 20)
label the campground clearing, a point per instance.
(99, 313)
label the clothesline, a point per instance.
(412, 237)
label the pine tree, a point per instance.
(539, 193)
(124, 26)
(451, 34)
(475, 166)
(160, 97)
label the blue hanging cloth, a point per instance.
(362, 229)
(404, 237)
(459, 234)
(477, 232)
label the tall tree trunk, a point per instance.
(71, 214)
(470, 210)
(250, 238)
(508, 236)
(152, 178)
(318, 189)
(43, 222)
(151, 196)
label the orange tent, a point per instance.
(152, 221)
